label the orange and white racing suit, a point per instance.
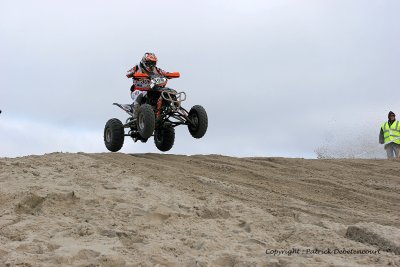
(141, 86)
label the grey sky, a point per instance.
(278, 78)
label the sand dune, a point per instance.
(116, 209)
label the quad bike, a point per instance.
(159, 113)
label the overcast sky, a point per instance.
(277, 78)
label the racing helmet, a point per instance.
(149, 61)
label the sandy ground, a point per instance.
(168, 210)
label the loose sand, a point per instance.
(115, 209)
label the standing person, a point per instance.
(147, 65)
(390, 136)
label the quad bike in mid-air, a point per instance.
(159, 113)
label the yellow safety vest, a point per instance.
(392, 132)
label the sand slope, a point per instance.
(115, 209)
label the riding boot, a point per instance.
(135, 110)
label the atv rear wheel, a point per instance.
(146, 121)
(198, 121)
(114, 135)
(164, 138)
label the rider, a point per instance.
(140, 86)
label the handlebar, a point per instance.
(169, 75)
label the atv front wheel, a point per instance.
(146, 121)
(114, 135)
(164, 138)
(198, 121)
